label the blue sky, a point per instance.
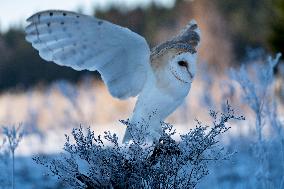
(14, 12)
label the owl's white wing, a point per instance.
(84, 42)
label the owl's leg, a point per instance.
(137, 130)
(127, 136)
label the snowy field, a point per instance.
(256, 144)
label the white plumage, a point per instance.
(162, 77)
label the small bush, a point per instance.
(101, 162)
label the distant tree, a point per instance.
(248, 22)
(277, 34)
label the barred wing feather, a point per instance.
(88, 43)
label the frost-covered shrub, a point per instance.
(101, 162)
(258, 93)
(206, 98)
(4, 161)
(257, 87)
(12, 137)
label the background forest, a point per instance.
(233, 27)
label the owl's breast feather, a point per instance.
(155, 104)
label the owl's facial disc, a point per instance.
(182, 67)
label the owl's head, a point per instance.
(178, 56)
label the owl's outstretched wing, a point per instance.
(84, 42)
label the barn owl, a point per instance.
(161, 77)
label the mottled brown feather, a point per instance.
(186, 41)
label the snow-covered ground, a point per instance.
(48, 114)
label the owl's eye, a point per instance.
(183, 63)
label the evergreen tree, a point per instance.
(277, 34)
